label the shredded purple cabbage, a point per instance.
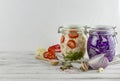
(101, 42)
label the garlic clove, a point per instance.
(84, 66)
(54, 62)
(100, 70)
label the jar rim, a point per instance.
(104, 29)
(78, 29)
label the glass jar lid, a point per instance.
(102, 29)
(66, 29)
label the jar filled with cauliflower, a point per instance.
(72, 42)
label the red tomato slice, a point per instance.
(73, 34)
(56, 48)
(51, 56)
(51, 50)
(45, 54)
(62, 39)
(71, 44)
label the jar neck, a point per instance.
(94, 32)
(66, 30)
(102, 31)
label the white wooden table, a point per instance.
(22, 66)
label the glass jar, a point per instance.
(72, 42)
(101, 41)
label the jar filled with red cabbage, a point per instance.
(102, 41)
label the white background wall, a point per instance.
(28, 24)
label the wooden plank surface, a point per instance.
(22, 66)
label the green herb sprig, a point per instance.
(74, 56)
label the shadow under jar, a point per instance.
(102, 41)
(72, 42)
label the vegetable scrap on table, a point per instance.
(54, 57)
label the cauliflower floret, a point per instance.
(39, 52)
